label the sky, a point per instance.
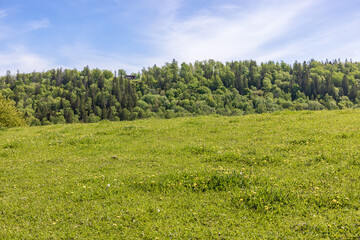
(38, 35)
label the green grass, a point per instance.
(288, 175)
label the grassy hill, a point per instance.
(279, 175)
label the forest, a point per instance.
(176, 90)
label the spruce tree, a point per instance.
(345, 86)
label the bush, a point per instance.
(33, 121)
(315, 105)
(93, 118)
(9, 115)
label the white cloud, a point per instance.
(227, 33)
(330, 42)
(3, 13)
(38, 24)
(19, 58)
(79, 55)
(76, 56)
(7, 31)
(3, 28)
(161, 13)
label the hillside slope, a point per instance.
(279, 175)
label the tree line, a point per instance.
(186, 89)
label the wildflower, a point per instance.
(108, 185)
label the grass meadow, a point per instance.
(284, 175)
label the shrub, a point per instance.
(9, 115)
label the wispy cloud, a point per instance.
(330, 41)
(38, 24)
(77, 56)
(224, 32)
(3, 13)
(80, 54)
(20, 58)
(11, 30)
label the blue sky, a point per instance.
(121, 34)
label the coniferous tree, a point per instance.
(345, 86)
(353, 95)
(238, 84)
